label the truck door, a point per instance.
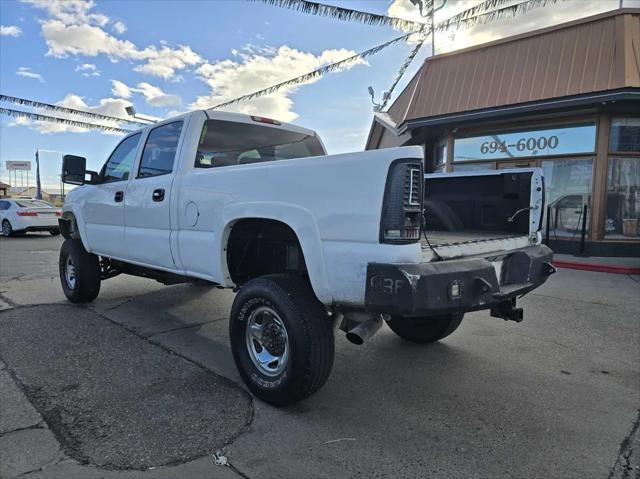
(148, 199)
(104, 204)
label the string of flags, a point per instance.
(54, 119)
(484, 12)
(480, 14)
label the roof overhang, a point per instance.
(578, 101)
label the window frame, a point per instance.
(146, 141)
(104, 166)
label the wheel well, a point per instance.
(257, 247)
(68, 226)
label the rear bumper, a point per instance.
(481, 283)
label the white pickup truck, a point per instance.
(309, 241)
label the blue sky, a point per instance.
(166, 57)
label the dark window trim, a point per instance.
(528, 158)
(104, 167)
(138, 177)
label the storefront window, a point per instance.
(568, 140)
(623, 198)
(568, 190)
(625, 135)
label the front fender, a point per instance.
(72, 225)
(304, 225)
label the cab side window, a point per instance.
(118, 166)
(160, 150)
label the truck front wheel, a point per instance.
(79, 272)
(427, 329)
(281, 338)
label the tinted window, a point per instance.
(33, 204)
(160, 151)
(226, 143)
(4, 205)
(118, 166)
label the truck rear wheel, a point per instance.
(79, 272)
(281, 338)
(427, 329)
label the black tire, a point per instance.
(54, 231)
(86, 272)
(7, 229)
(427, 329)
(309, 337)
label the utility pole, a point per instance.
(38, 185)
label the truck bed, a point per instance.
(452, 244)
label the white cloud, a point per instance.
(164, 62)
(10, 31)
(64, 40)
(72, 29)
(107, 106)
(26, 72)
(71, 12)
(156, 97)
(88, 70)
(120, 90)
(153, 95)
(229, 79)
(119, 27)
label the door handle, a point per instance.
(158, 195)
(119, 196)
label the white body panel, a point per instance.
(104, 225)
(332, 203)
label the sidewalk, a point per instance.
(598, 263)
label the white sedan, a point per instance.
(22, 215)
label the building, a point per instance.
(4, 189)
(565, 98)
(52, 196)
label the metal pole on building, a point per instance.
(584, 230)
(548, 225)
(433, 31)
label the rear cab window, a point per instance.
(33, 204)
(229, 143)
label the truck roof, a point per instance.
(245, 118)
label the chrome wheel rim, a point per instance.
(70, 273)
(267, 341)
(6, 229)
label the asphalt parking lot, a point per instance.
(141, 383)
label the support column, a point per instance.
(600, 173)
(448, 167)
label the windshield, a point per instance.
(227, 143)
(33, 204)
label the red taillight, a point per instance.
(58, 213)
(27, 213)
(262, 119)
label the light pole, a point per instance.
(131, 111)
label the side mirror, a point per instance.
(74, 169)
